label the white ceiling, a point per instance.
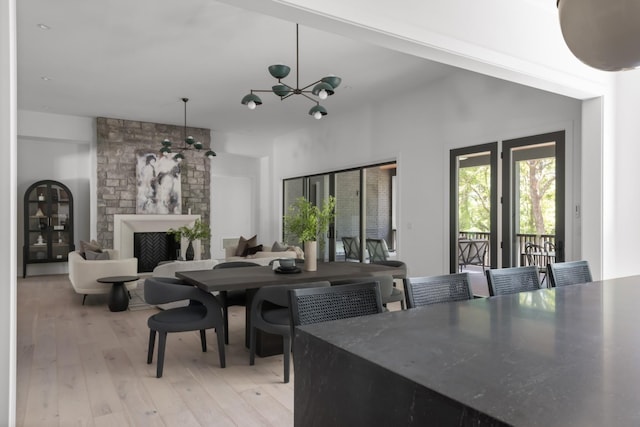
(136, 59)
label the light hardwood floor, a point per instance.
(86, 366)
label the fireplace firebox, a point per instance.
(152, 248)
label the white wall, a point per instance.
(58, 147)
(624, 205)
(235, 200)
(419, 129)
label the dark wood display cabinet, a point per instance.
(48, 224)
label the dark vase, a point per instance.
(189, 253)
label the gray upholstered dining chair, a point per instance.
(314, 305)
(203, 312)
(396, 294)
(512, 280)
(229, 298)
(421, 291)
(568, 273)
(269, 312)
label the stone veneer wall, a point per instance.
(118, 142)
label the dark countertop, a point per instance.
(560, 357)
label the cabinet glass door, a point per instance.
(48, 225)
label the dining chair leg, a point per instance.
(203, 340)
(162, 342)
(225, 315)
(252, 346)
(220, 337)
(152, 343)
(286, 351)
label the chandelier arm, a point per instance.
(262, 90)
(282, 98)
(312, 84)
(284, 84)
(309, 98)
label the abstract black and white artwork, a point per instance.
(158, 182)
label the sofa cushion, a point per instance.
(96, 256)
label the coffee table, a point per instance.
(118, 298)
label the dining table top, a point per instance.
(228, 279)
(567, 356)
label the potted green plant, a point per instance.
(199, 230)
(308, 221)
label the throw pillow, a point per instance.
(96, 256)
(242, 246)
(253, 250)
(252, 242)
(92, 246)
(278, 247)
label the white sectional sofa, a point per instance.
(261, 257)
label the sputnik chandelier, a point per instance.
(189, 142)
(321, 88)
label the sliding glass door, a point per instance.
(365, 208)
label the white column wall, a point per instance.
(8, 223)
(623, 206)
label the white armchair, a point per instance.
(84, 273)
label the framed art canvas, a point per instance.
(158, 184)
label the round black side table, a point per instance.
(118, 298)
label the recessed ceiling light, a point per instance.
(44, 27)
(46, 78)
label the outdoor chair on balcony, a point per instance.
(539, 256)
(472, 252)
(378, 250)
(569, 273)
(512, 280)
(351, 249)
(421, 291)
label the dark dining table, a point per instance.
(567, 356)
(253, 278)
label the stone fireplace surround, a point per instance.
(118, 141)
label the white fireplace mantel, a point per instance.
(125, 225)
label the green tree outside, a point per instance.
(537, 194)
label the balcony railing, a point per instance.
(521, 241)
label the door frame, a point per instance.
(508, 222)
(492, 148)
